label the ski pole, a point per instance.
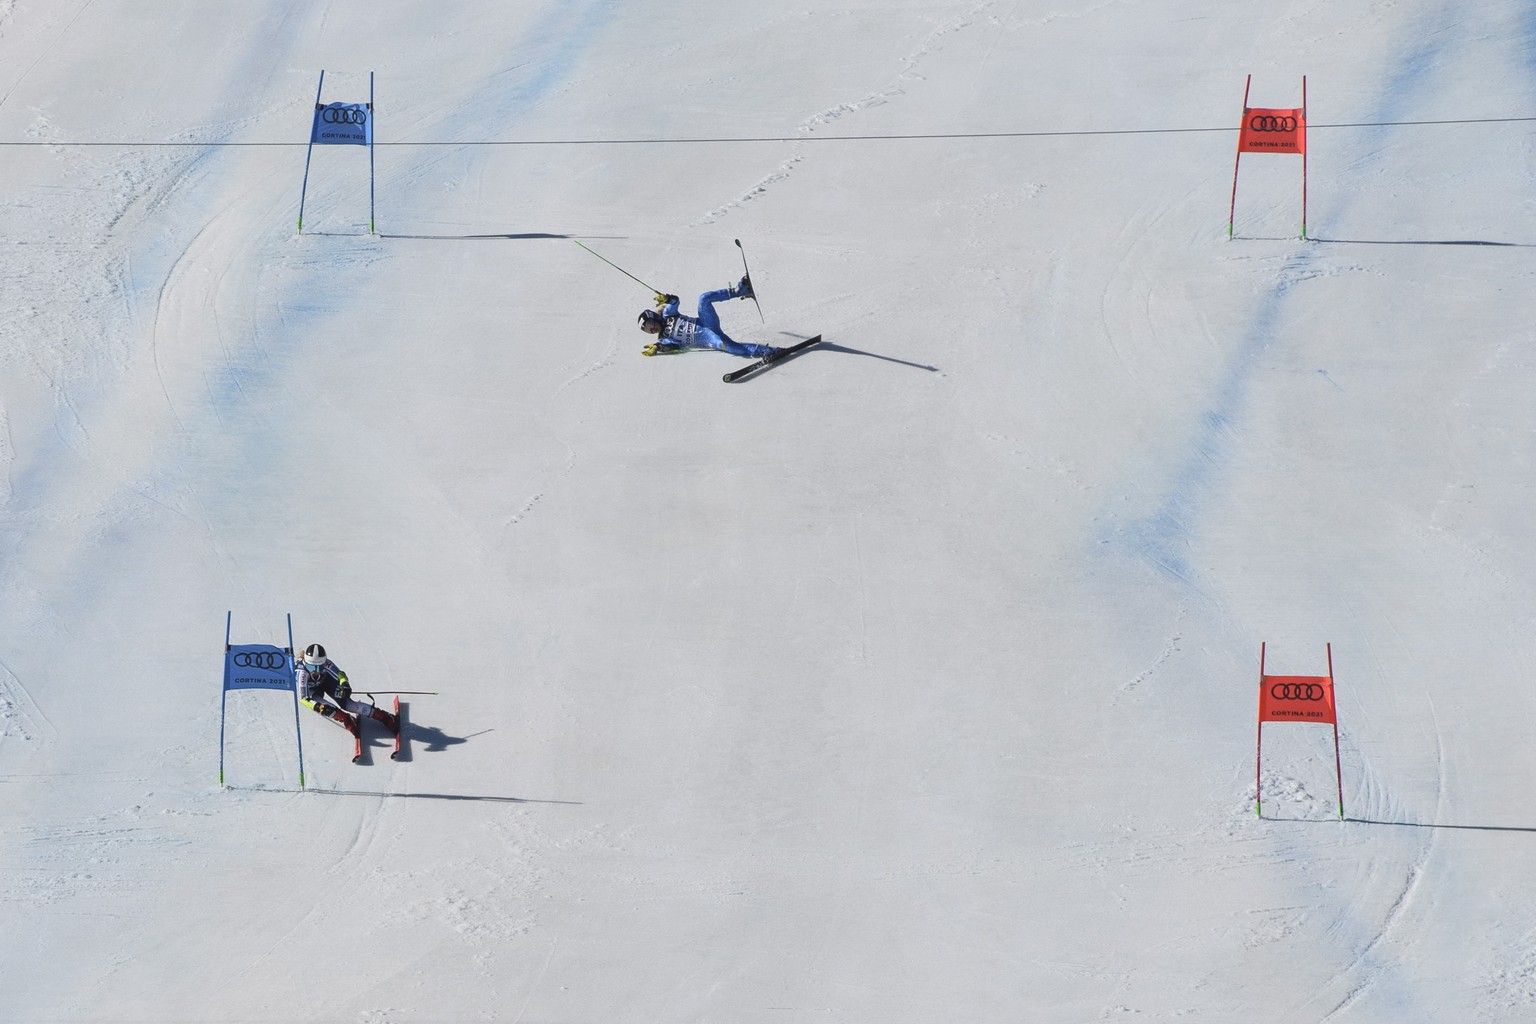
(370, 693)
(620, 269)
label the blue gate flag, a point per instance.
(340, 124)
(345, 124)
(258, 667)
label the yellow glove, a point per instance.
(649, 350)
(664, 300)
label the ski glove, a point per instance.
(666, 300)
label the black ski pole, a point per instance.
(620, 269)
(747, 272)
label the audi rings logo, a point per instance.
(270, 660)
(1297, 691)
(344, 115)
(1270, 123)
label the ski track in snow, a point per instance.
(80, 861)
(7, 15)
(7, 456)
(1164, 537)
(1363, 971)
(19, 714)
(1167, 654)
(909, 74)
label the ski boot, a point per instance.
(390, 721)
(744, 288)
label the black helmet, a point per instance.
(650, 318)
(314, 657)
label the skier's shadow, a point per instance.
(429, 738)
(828, 346)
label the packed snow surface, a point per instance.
(911, 681)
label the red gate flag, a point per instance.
(1297, 699)
(1273, 130)
(1307, 699)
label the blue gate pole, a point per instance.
(371, 127)
(310, 151)
(224, 693)
(297, 735)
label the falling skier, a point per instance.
(677, 332)
(319, 677)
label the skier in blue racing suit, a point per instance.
(676, 332)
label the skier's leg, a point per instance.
(707, 315)
(747, 351)
(378, 714)
(334, 713)
(715, 337)
(322, 707)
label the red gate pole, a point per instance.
(1232, 211)
(1338, 765)
(1258, 754)
(1303, 163)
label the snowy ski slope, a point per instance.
(914, 680)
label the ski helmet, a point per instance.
(650, 321)
(314, 657)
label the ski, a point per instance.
(748, 273)
(399, 728)
(767, 361)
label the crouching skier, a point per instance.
(676, 332)
(319, 677)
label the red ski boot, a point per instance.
(391, 722)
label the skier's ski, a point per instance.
(748, 274)
(399, 728)
(767, 361)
